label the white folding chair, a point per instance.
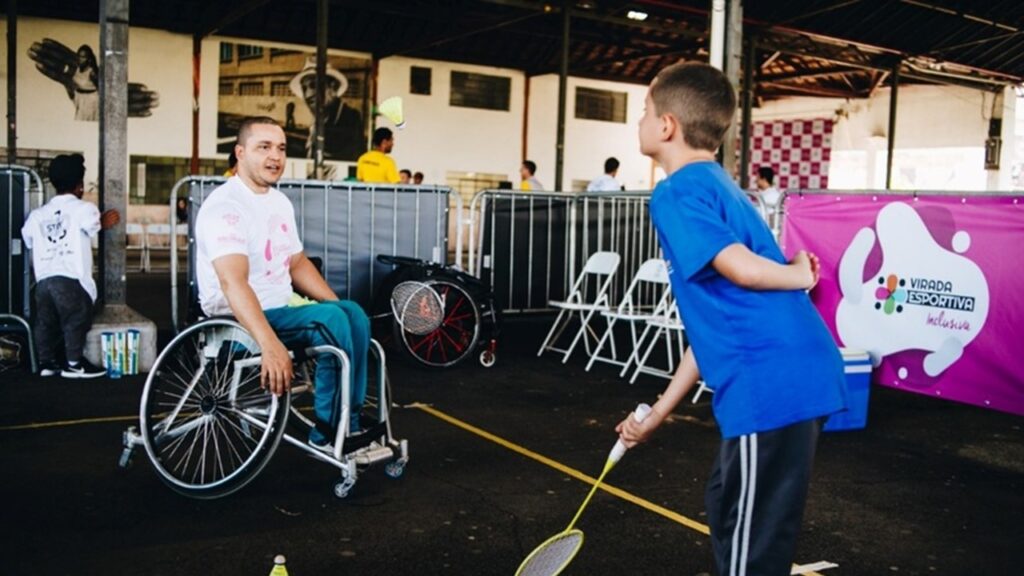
(599, 264)
(135, 239)
(181, 239)
(645, 297)
(669, 324)
(158, 237)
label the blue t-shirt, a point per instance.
(767, 354)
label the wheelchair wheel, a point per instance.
(456, 337)
(207, 426)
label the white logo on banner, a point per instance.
(924, 297)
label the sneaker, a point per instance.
(49, 369)
(323, 446)
(83, 369)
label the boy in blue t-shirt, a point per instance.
(760, 344)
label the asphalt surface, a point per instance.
(501, 458)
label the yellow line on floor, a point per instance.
(646, 504)
(674, 516)
(59, 423)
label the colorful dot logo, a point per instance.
(890, 294)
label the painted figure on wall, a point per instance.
(78, 72)
(343, 125)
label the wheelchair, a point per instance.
(436, 315)
(208, 427)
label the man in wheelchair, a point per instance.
(250, 264)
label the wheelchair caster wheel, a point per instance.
(343, 487)
(125, 461)
(488, 358)
(394, 469)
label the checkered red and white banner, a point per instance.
(798, 151)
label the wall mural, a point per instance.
(259, 81)
(78, 72)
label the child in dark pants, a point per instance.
(761, 345)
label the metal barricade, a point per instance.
(17, 185)
(345, 224)
(529, 246)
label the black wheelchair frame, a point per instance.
(471, 319)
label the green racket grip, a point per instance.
(641, 412)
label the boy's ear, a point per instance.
(670, 127)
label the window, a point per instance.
(593, 104)
(280, 89)
(227, 52)
(248, 52)
(419, 80)
(226, 89)
(471, 90)
(161, 173)
(275, 52)
(250, 89)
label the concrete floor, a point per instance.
(501, 458)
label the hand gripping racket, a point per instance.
(555, 553)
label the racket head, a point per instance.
(417, 307)
(552, 555)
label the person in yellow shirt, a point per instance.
(376, 165)
(530, 182)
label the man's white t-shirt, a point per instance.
(604, 183)
(235, 220)
(771, 196)
(58, 234)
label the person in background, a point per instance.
(404, 176)
(417, 178)
(766, 186)
(232, 164)
(58, 233)
(344, 132)
(376, 165)
(181, 210)
(529, 181)
(607, 181)
(776, 371)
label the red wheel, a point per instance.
(455, 338)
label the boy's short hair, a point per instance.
(700, 97)
(67, 171)
(531, 166)
(767, 173)
(611, 165)
(380, 135)
(246, 127)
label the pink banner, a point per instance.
(931, 286)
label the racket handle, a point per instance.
(641, 412)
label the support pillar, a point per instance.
(563, 95)
(12, 82)
(727, 55)
(115, 316)
(321, 84)
(894, 79)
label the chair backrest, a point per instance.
(651, 271)
(602, 263)
(161, 233)
(599, 264)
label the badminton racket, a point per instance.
(555, 553)
(417, 307)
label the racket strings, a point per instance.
(417, 307)
(552, 556)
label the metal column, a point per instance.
(113, 147)
(321, 71)
(894, 79)
(563, 78)
(12, 81)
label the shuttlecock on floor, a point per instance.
(392, 110)
(279, 567)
